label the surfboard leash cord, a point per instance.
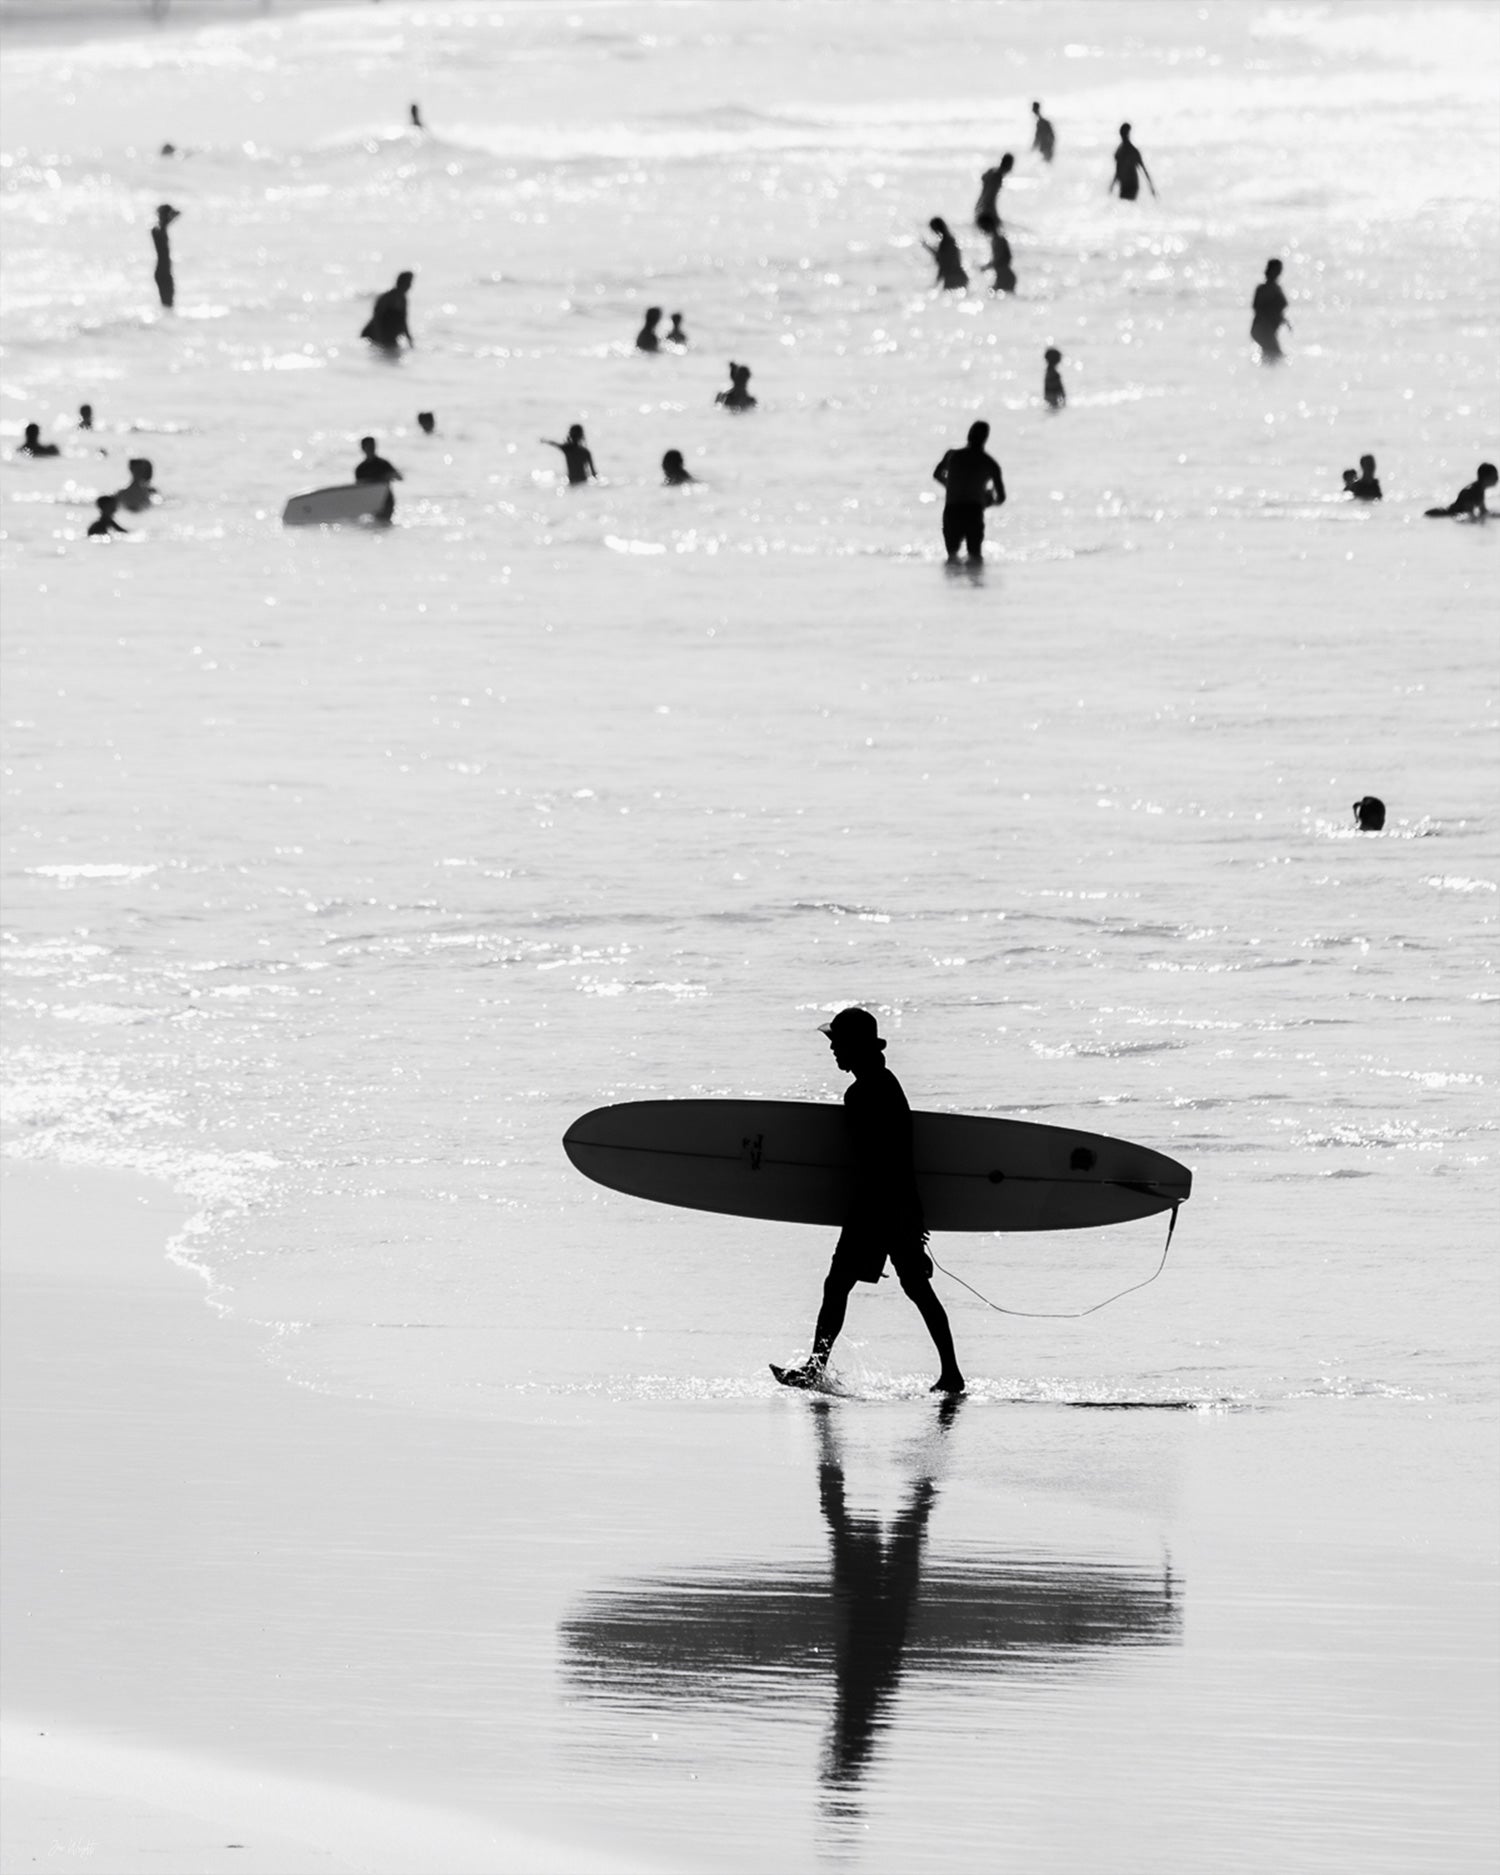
(1069, 1315)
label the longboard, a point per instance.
(354, 501)
(789, 1160)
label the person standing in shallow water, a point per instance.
(1001, 264)
(388, 324)
(987, 208)
(884, 1220)
(675, 471)
(946, 257)
(1044, 141)
(577, 457)
(166, 286)
(1130, 166)
(1052, 385)
(737, 397)
(646, 340)
(1366, 485)
(973, 483)
(1268, 310)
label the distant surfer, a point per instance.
(674, 470)
(737, 397)
(1468, 504)
(946, 257)
(648, 339)
(1130, 166)
(1369, 814)
(1001, 264)
(166, 286)
(1365, 486)
(1268, 314)
(416, 118)
(387, 324)
(85, 416)
(373, 468)
(677, 336)
(31, 443)
(1044, 141)
(973, 482)
(106, 524)
(987, 208)
(1053, 393)
(884, 1218)
(138, 494)
(577, 456)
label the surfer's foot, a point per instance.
(809, 1374)
(948, 1383)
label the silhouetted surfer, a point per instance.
(1366, 485)
(1000, 264)
(416, 118)
(1052, 384)
(1130, 166)
(31, 443)
(138, 495)
(737, 397)
(166, 286)
(1268, 309)
(1369, 814)
(973, 482)
(647, 339)
(1468, 505)
(1044, 141)
(576, 456)
(946, 257)
(884, 1219)
(677, 336)
(987, 208)
(675, 470)
(373, 468)
(387, 324)
(106, 523)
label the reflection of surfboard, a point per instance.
(356, 501)
(789, 1160)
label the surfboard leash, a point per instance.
(1068, 1315)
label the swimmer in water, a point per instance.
(1130, 166)
(106, 523)
(677, 336)
(1369, 814)
(1052, 384)
(674, 469)
(973, 483)
(1366, 485)
(166, 285)
(1044, 142)
(388, 324)
(373, 468)
(31, 443)
(737, 397)
(139, 494)
(1468, 505)
(987, 208)
(576, 455)
(946, 257)
(1268, 309)
(1000, 264)
(426, 422)
(85, 416)
(646, 339)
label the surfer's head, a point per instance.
(854, 1036)
(404, 280)
(1369, 814)
(979, 435)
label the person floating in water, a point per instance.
(1044, 141)
(387, 324)
(1369, 814)
(646, 340)
(1052, 385)
(1001, 264)
(373, 468)
(675, 470)
(677, 336)
(426, 422)
(1364, 485)
(166, 286)
(884, 1219)
(1130, 166)
(576, 456)
(1468, 504)
(973, 483)
(946, 257)
(1268, 309)
(85, 416)
(138, 495)
(106, 523)
(987, 208)
(737, 397)
(31, 443)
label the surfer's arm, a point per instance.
(940, 473)
(997, 480)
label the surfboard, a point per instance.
(321, 507)
(789, 1161)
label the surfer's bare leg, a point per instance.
(837, 1289)
(921, 1291)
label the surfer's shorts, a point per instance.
(860, 1256)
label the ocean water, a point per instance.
(343, 869)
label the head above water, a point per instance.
(404, 280)
(938, 225)
(106, 504)
(1351, 476)
(1488, 474)
(854, 1036)
(979, 435)
(1125, 131)
(166, 215)
(575, 432)
(367, 444)
(140, 469)
(1273, 269)
(1036, 109)
(1369, 814)
(1052, 355)
(653, 315)
(1007, 163)
(671, 462)
(1367, 463)
(426, 422)
(33, 432)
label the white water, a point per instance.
(343, 870)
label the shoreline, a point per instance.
(120, 1381)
